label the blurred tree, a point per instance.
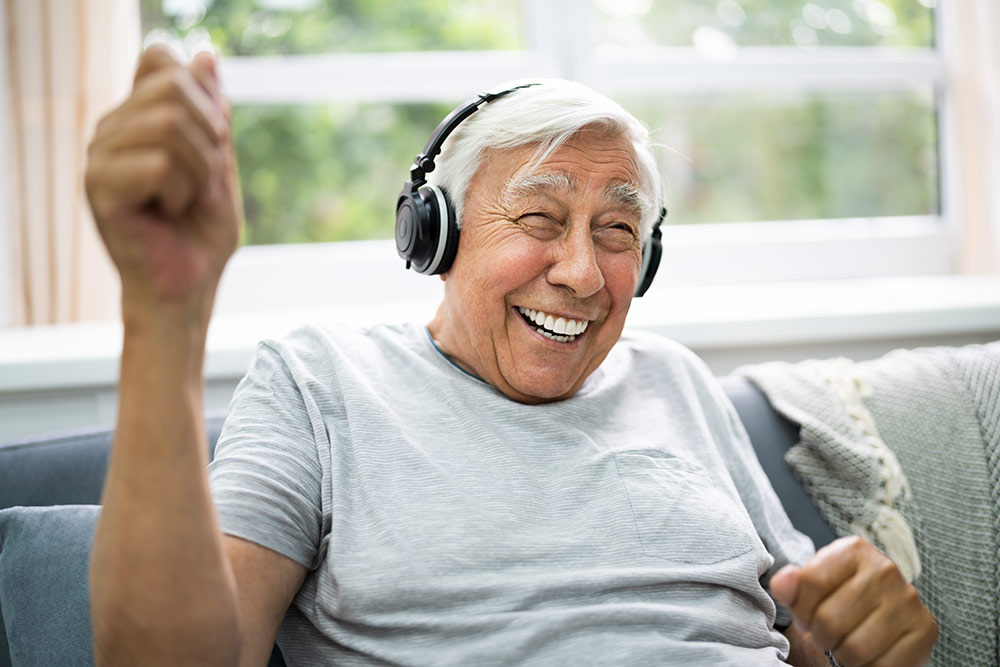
(804, 23)
(281, 27)
(330, 172)
(785, 156)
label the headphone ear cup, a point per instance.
(447, 245)
(408, 210)
(426, 231)
(652, 250)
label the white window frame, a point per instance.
(557, 45)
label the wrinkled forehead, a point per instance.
(568, 164)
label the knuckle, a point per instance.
(933, 630)
(160, 165)
(828, 621)
(850, 651)
(102, 124)
(172, 84)
(814, 578)
(911, 597)
(170, 121)
(93, 151)
(855, 543)
(224, 130)
(886, 571)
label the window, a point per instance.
(799, 138)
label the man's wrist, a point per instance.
(145, 312)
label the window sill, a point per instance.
(834, 313)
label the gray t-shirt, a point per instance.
(442, 523)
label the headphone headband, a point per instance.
(423, 163)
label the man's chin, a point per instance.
(540, 390)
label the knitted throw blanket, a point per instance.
(905, 451)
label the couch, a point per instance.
(43, 549)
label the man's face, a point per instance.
(547, 262)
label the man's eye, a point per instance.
(540, 224)
(622, 229)
(619, 236)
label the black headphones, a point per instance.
(426, 228)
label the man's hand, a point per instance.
(162, 185)
(852, 600)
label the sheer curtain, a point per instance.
(68, 62)
(974, 73)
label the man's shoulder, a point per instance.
(316, 346)
(654, 347)
(657, 361)
(326, 337)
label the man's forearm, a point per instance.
(161, 587)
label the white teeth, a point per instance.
(561, 329)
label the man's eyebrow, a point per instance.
(629, 195)
(535, 183)
(625, 193)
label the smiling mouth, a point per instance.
(559, 329)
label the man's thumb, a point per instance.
(785, 584)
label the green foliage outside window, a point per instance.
(327, 173)
(786, 157)
(804, 23)
(331, 172)
(282, 27)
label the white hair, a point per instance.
(548, 114)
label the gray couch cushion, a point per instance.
(44, 595)
(44, 600)
(65, 468)
(772, 435)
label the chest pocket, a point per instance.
(680, 513)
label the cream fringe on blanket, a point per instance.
(888, 528)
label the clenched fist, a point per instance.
(162, 185)
(853, 601)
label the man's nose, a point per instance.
(575, 264)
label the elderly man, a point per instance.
(518, 482)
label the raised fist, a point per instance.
(161, 181)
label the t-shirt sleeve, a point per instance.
(266, 477)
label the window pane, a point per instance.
(327, 172)
(332, 172)
(717, 26)
(270, 27)
(796, 156)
